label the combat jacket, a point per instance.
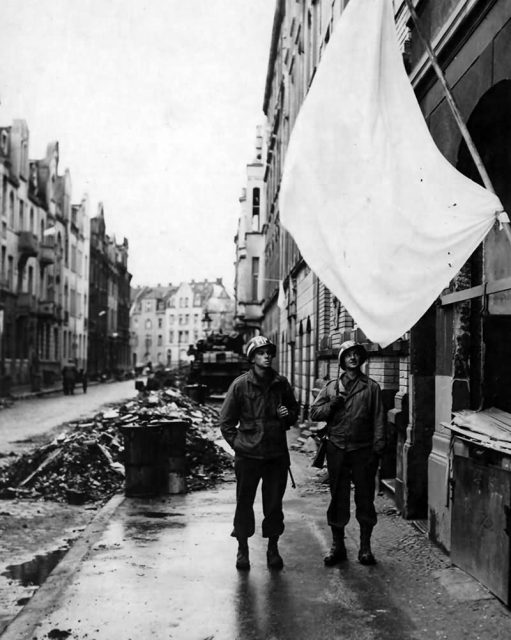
(248, 419)
(356, 420)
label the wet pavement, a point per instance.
(164, 569)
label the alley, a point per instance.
(163, 568)
(33, 418)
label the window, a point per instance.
(73, 303)
(255, 277)
(10, 272)
(160, 340)
(171, 336)
(32, 220)
(11, 210)
(160, 323)
(30, 287)
(22, 216)
(4, 142)
(256, 207)
(148, 324)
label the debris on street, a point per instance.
(85, 462)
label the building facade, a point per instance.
(109, 348)
(457, 356)
(39, 325)
(249, 280)
(166, 320)
(150, 327)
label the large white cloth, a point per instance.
(378, 213)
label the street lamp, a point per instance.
(206, 321)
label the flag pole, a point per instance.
(456, 113)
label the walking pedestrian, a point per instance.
(257, 411)
(353, 411)
(84, 379)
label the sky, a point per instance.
(155, 105)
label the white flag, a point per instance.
(378, 213)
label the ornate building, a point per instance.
(36, 276)
(249, 282)
(166, 320)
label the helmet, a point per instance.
(351, 344)
(257, 343)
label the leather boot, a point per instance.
(337, 552)
(242, 561)
(365, 555)
(273, 557)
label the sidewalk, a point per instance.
(164, 569)
(23, 392)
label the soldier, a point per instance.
(258, 410)
(353, 411)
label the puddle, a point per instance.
(34, 572)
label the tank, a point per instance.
(217, 360)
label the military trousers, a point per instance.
(345, 467)
(272, 473)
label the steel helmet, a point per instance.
(351, 344)
(258, 342)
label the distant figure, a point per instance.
(68, 380)
(84, 379)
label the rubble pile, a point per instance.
(85, 463)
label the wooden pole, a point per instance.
(456, 112)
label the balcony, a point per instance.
(47, 253)
(28, 244)
(26, 304)
(47, 309)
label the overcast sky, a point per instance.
(154, 104)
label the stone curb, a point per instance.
(23, 625)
